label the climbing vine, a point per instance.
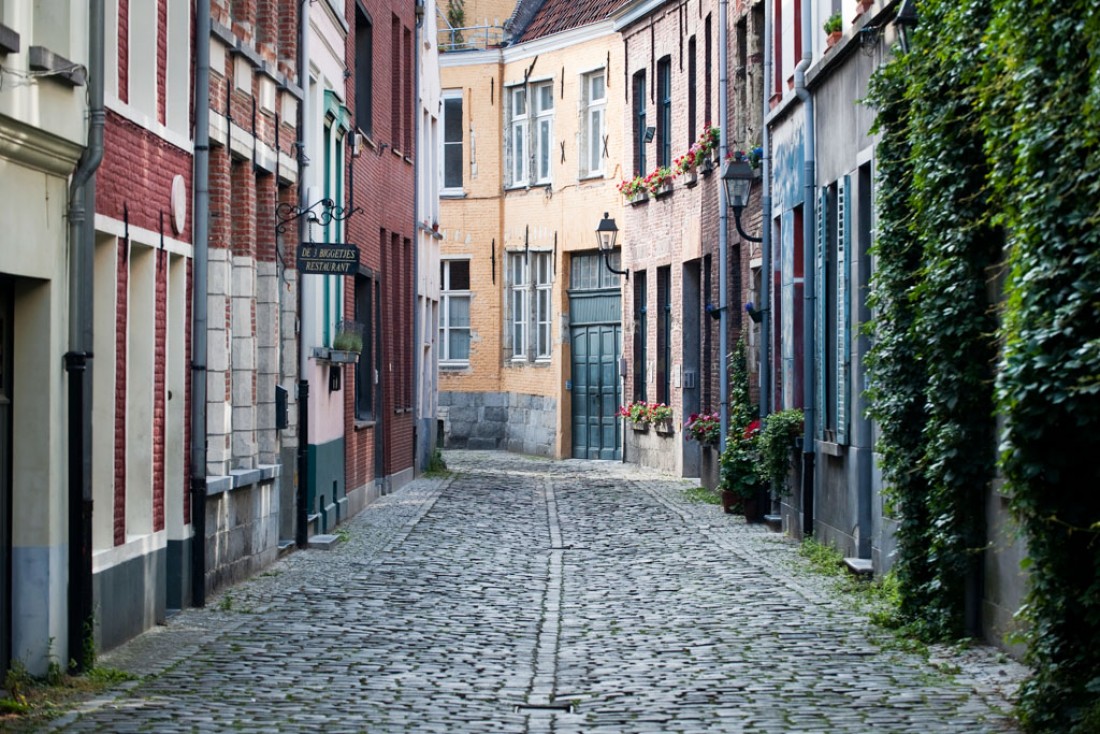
(987, 303)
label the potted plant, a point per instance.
(833, 30)
(704, 428)
(637, 413)
(738, 475)
(661, 417)
(347, 343)
(739, 478)
(776, 446)
(659, 181)
(635, 190)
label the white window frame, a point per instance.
(593, 123)
(446, 296)
(530, 303)
(518, 159)
(542, 266)
(451, 94)
(519, 304)
(543, 144)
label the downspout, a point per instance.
(723, 236)
(766, 272)
(81, 273)
(417, 234)
(302, 494)
(198, 303)
(809, 342)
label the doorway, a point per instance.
(7, 304)
(595, 317)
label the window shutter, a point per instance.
(819, 316)
(844, 317)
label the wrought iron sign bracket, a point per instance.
(327, 213)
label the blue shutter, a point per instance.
(843, 304)
(819, 317)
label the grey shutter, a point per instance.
(844, 315)
(819, 316)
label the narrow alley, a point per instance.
(528, 595)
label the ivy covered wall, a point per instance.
(987, 303)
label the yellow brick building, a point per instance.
(530, 317)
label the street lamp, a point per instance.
(606, 234)
(738, 178)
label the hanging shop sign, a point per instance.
(327, 258)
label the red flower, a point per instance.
(752, 429)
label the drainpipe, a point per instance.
(198, 303)
(766, 273)
(81, 273)
(723, 235)
(809, 342)
(302, 495)
(417, 434)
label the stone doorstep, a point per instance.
(324, 542)
(859, 566)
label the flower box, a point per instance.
(665, 427)
(640, 427)
(639, 198)
(663, 189)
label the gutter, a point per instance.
(81, 280)
(766, 271)
(809, 299)
(199, 290)
(301, 493)
(723, 233)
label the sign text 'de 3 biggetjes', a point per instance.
(327, 258)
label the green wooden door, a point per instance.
(595, 318)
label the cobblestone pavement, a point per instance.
(527, 595)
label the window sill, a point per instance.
(452, 194)
(596, 176)
(363, 424)
(58, 68)
(9, 40)
(830, 448)
(456, 367)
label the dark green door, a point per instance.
(595, 317)
(596, 422)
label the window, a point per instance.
(639, 124)
(530, 276)
(544, 130)
(395, 82)
(452, 140)
(517, 136)
(594, 99)
(364, 368)
(664, 112)
(692, 94)
(664, 334)
(519, 308)
(454, 317)
(708, 49)
(641, 336)
(364, 72)
(542, 266)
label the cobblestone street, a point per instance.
(527, 595)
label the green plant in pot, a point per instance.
(776, 444)
(738, 477)
(834, 24)
(349, 337)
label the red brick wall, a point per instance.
(136, 173)
(124, 49)
(382, 184)
(159, 396)
(121, 319)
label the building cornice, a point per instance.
(458, 59)
(635, 11)
(36, 148)
(559, 41)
